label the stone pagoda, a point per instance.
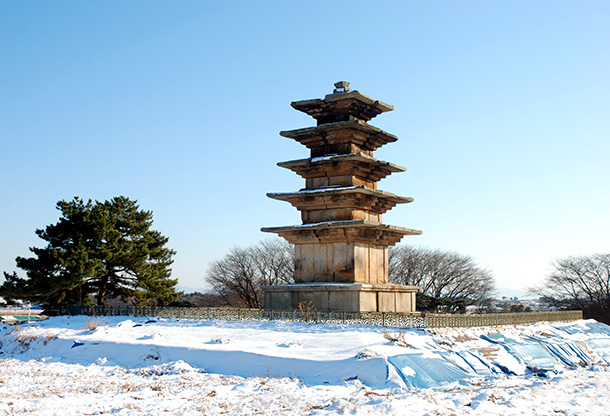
(341, 249)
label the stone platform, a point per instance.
(344, 297)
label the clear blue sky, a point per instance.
(502, 114)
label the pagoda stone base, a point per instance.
(342, 297)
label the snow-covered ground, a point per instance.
(147, 366)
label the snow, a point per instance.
(330, 157)
(77, 365)
(323, 189)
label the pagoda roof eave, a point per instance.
(340, 125)
(343, 224)
(336, 133)
(322, 107)
(343, 190)
(355, 157)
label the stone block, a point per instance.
(342, 300)
(386, 301)
(282, 300)
(368, 301)
(342, 297)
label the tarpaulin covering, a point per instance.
(544, 351)
(601, 346)
(598, 336)
(586, 327)
(533, 354)
(481, 366)
(424, 370)
(570, 353)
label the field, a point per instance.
(148, 366)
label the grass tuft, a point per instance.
(396, 337)
(93, 323)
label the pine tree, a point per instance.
(105, 249)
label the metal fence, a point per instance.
(496, 319)
(404, 320)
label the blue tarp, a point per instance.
(598, 328)
(541, 352)
(481, 366)
(601, 346)
(497, 338)
(535, 356)
(570, 353)
(587, 327)
(425, 370)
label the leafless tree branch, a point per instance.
(242, 272)
(441, 274)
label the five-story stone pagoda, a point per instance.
(341, 249)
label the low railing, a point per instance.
(497, 319)
(404, 320)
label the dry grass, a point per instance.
(93, 323)
(397, 337)
(24, 338)
(307, 309)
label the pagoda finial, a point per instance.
(341, 87)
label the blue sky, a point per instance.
(502, 114)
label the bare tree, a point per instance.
(441, 274)
(580, 282)
(242, 272)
